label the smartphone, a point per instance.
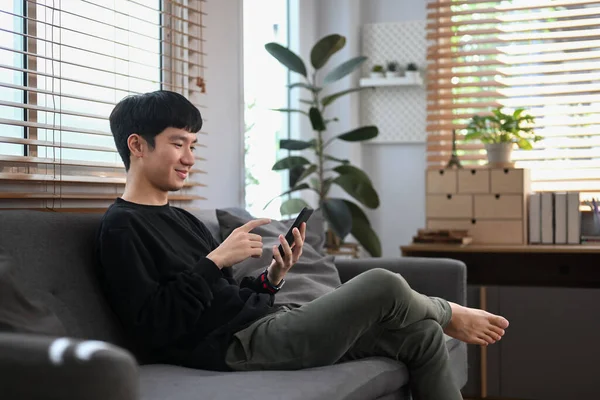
(289, 236)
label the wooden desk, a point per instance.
(574, 266)
(520, 265)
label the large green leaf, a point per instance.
(359, 134)
(362, 231)
(289, 110)
(359, 189)
(301, 186)
(357, 173)
(292, 206)
(291, 144)
(327, 100)
(287, 57)
(294, 175)
(338, 215)
(305, 86)
(307, 172)
(325, 48)
(332, 158)
(290, 162)
(344, 69)
(316, 119)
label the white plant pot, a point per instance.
(392, 74)
(377, 75)
(412, 75)
(499, 153)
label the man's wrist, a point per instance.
(216, 259)
(273, 278)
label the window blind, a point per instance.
(64, 64)
(541, 55)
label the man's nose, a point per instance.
(188, 158)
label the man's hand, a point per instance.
(281, 265)
(240, 245)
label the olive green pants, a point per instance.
(374, 314)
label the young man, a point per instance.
(171, 285)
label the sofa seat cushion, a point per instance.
(364, 379)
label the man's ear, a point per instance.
(137, 145)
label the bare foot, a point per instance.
(475, 326)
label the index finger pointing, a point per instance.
(255, 223)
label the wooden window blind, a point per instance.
(64, 64)
(542, 55)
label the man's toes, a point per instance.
(488, 339)
(494, 335)
(496, 330)
(480, 342)
(500, 322)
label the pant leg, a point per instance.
(322, 331)
(422, 347)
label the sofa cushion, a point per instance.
(17, 312)
(358, 380)
(313, 275)
(55, 266)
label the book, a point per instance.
(560, 218)
(535, 221)
(573, 218)
(547, 218)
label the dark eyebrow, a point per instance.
(183, 138)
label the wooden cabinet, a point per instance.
(489, 203)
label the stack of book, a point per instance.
(447, 236)
(554, 218)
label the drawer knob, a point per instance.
(441, 172)
(497, 196)
(449, 196)
(506, 170)
(473, 172)
(473, 221)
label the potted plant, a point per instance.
(393, 70)
(412, 71)
(500, 131)
(321, 170)
(377, 71)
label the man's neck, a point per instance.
(141, 192)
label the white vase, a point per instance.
(499, 154)
(392, 74)
(412, 75)
(377, 75)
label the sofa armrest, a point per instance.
(438, 277)
(43, 367)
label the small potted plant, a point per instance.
(393, 70)
(412, 72)
(377, 71)
(499, 132)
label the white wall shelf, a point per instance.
(397, 81)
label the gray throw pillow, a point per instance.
(19, 314)
(313, 275)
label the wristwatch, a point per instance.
(268, 285)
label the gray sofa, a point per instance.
(54, 256)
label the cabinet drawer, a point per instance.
(497, 232)
(498, 206)
(450, 224)
(441, 181)
(449, 206)
(474, 181)
(509, 180)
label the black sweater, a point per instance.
(170, 298)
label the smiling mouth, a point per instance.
(181, 174)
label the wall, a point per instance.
(224, 113)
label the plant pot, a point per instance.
(392, 74)
(499, 154)
(377, 75)
(412, 75)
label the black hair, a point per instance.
(148, 115)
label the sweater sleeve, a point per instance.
(157, 312)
